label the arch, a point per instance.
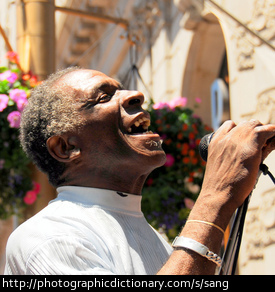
(203, 66)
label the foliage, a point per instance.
(170, 191)
(17, 190)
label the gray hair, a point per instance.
(49, 112)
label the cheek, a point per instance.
(102, 138)
(100, 124)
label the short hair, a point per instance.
(49, 112)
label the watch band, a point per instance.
(197, 247)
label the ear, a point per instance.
(63, 148)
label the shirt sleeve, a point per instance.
(69, 256)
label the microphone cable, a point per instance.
(266, 171)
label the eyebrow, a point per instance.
(104, 86)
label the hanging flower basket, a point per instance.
(170, 191)
(17, 190)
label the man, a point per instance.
(91, 137)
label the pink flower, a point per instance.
(161, 105)
(4, 99)
(21, 104)
(14, 119)
(8, 75)
(170, 160)
(178, 101)
(30, 197)
(17, 94)
(197, 100)
(13, 57)
(20, 97)
(189, 203)
(36, 187)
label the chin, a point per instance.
(157, 159)
(150, 158)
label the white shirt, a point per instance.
(87, 231)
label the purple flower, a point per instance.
(4, 99)
(8, 75)
(14, 119)
(17, 94)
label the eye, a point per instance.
(104, 98)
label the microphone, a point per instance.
(204, 143)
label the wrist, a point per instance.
(216, 208)
(216, 211)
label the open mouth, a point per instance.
(140, 127)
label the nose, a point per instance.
(132, 99)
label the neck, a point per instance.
(122, 181)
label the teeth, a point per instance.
(144, 122)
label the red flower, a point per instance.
(30, 197)
(185, 148)
(150, 181)
(26, 77)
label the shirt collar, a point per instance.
(107, 199)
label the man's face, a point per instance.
(115, 131)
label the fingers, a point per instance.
(234, 156)
(268, 147)
(226, 127)
(266, 133)
(262, 135)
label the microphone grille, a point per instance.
(203, 147)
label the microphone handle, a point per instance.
(230, 257)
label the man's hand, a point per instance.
(234, 157)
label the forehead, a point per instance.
(87, 80)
